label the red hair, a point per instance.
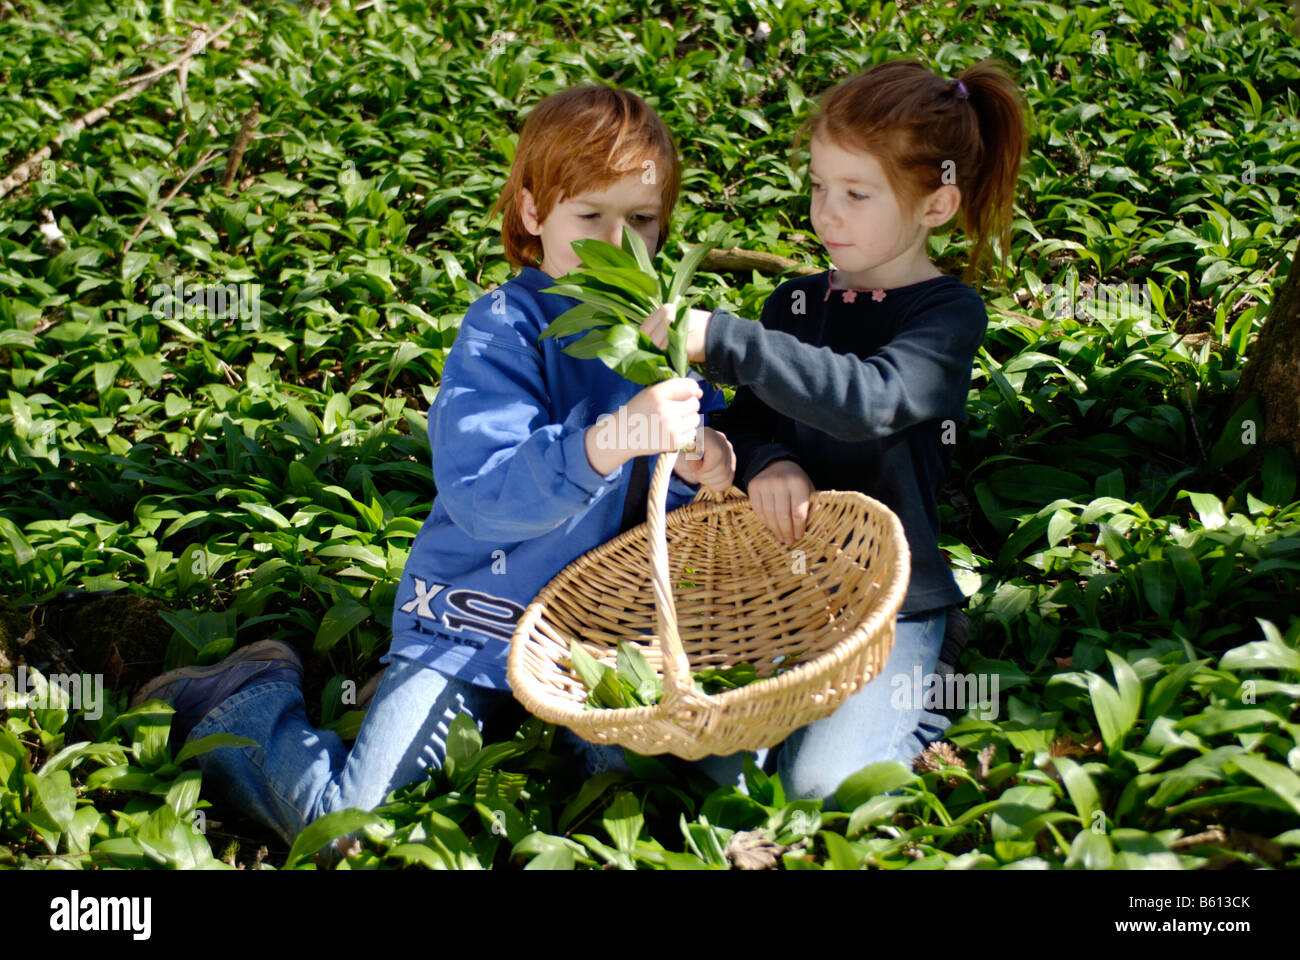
(579, 140)
(927, 131)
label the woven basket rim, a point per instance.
(826, 662)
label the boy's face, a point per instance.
(856, 213)
(598, 214)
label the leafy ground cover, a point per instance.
(260, 472)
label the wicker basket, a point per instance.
(831, 599)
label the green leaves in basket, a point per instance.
(632, 682)
(618, 288)
(727, 678)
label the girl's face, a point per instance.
(596, 214)
(858, 217)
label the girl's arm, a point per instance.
(751, 429)
(922, 374)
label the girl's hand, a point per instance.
(660, 418)
(780, 494)
(716, 467)
(655, 327)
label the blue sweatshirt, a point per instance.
(517, 498)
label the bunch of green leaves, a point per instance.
(618, 288)
(631, 682)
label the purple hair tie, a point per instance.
(961, 90)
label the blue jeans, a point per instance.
(298, 773)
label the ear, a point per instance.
(528, 212)
(939, 207)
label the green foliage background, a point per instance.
(1135, 597)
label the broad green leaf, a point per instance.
(871, 781)
(623, 821)
(1270, 653)
(589, 670)
(326, 829)
(213, 741)
(1092, 851)
(183, 794)
(691, 262)
(591, 790)
(464, 741)
(633, 243)
(1129, 686)
(1278, 473)
(1060, 526)
(548, 852)
(337, 622)
(53, 799)
(1209, 508)
(1282, 781)
(1159, 586)
(23, 552)
(1188, 571)
(1181, 780)
(634, 666)
(1080, 787)
(1038, 484)
(1166, 689)
(842, 854)
(1109, 711)
(584, 316)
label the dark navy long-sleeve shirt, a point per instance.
(863, 389)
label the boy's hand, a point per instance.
(655, 327)
(715, 468)
(660, 418)
(779, 494)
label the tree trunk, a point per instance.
(1273, 372)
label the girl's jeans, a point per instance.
(298, 773)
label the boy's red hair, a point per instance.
(578, 140)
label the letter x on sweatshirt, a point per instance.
(860, 388)
(517, 500)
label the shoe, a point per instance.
(955, 635)
(195, 691)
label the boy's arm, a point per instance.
(922, 374)
(503, 470)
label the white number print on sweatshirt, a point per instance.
(466, 610)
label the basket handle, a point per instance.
(678, 685)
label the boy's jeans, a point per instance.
(298, 773)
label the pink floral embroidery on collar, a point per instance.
(850, 295)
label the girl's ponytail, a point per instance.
(987, 201)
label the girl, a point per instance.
(855, 379)
(527, 481)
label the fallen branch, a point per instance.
(27, 169)
(1034, 322)
(738, 260)
(237, 150)
(207, 155)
